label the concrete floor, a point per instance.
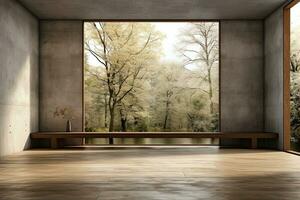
(181, 173)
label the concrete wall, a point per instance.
(273, 80)
(242, 69)
(243, 81)
(60, 73)
(18, 77)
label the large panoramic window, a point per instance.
(295, 76)
(151, 76)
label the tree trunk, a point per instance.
(123, 121)
(166, 115)
(105, 111)
(210, 91)
(112, 119)
(123, 124)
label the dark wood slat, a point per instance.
(53, 136)
(153, 135)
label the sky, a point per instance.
(171, 30)
(295, 15)
(295, 27)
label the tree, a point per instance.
(130, 86)
(168, 83)
(294, 82)
(123, 51)
(200, 48)
(95, 102)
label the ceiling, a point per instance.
(152, 9)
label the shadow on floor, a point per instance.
(278, 186)
(97, 154)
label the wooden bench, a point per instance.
(54, 136)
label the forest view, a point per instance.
(151, 76)
(295, 77)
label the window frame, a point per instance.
(286, 75)
(150, 20)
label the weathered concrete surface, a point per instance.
(242, 69)
(18, 77)
(60, 73)
(152, 9)
(273, 80)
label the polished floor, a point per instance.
(160, 173)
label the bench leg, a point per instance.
(254, 143)
(111, 140)
(53, 143)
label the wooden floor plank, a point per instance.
(185, 173)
